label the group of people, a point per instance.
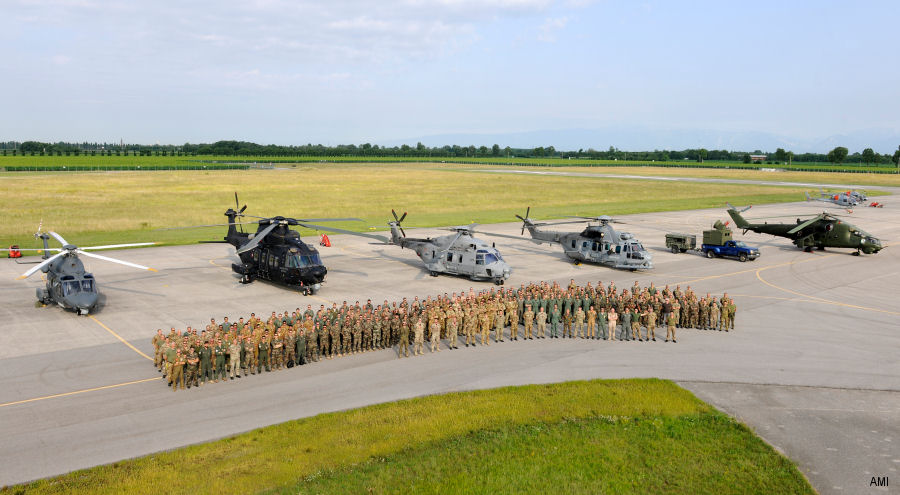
(231, 349)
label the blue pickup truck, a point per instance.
(731, 249)
(717, 242)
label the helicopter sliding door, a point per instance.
(266, 261)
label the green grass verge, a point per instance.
(99, 208)
(81, 162)
(600, 436)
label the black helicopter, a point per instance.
(275, 252)
(68, 284)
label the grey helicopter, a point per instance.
(67, 283)
(845, 199)
(454, 254)
(601, 244)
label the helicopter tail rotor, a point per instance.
(524, 220)
(399, 220)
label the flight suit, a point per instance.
(263, 353)
(555, 321)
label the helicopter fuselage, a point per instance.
(466, 256)
(281, 257)
(599, 244)
(69, 286)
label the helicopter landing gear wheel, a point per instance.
(576, 263)
(433, 273)
(855, 254)
(246, 279)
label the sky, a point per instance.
(297, 72)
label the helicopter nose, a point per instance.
(85, 301)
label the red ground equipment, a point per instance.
(325, 241)
(14, 251)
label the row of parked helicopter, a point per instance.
(276, 253)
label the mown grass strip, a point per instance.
(689, 454)
(657, 416)
(90, 209)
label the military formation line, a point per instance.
(231, 349)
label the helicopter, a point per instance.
(821, 231)
(275, 252)
(455, 254)
(600, 244)
(68, 284)
(846, 199)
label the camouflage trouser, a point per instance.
(635, 330)
(357, 342)
(704, 320)
(333, 344)
(435, 341)
(247, 362)
(345, 343)
(714, 322)
(670, 332)
(589, 332)
(168, 372)
(290, 356)
(651, 331)
(418, 347)
(404, 348)
(254, 362)
(312, 352)
(277, 358)
(514, 330)
(579, 329)
(541, 330)
(528, 326)
(452, 336)
(192, 376)
(158, 360)
(323, 345)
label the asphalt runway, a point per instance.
(812, 367)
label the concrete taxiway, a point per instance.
(812, 367)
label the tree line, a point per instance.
(838, 155)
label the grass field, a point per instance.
(212, 161)
(601, 436)
(106, 207)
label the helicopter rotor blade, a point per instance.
(209, 225)
(241, 211)
(257, 238)
(116, 246)
(343, 231)
(37, 267)
(237, 204)
(329, 219)
(396, 218)
(59, 238)
(113, 260)
(402, 217)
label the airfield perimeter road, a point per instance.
(812, 367)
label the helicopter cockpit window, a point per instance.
(87, 285)
(71, 287)
(479, 257)
(450, 257)
(573, 243)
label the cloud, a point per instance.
(547, 31)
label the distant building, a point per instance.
(758, 158)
